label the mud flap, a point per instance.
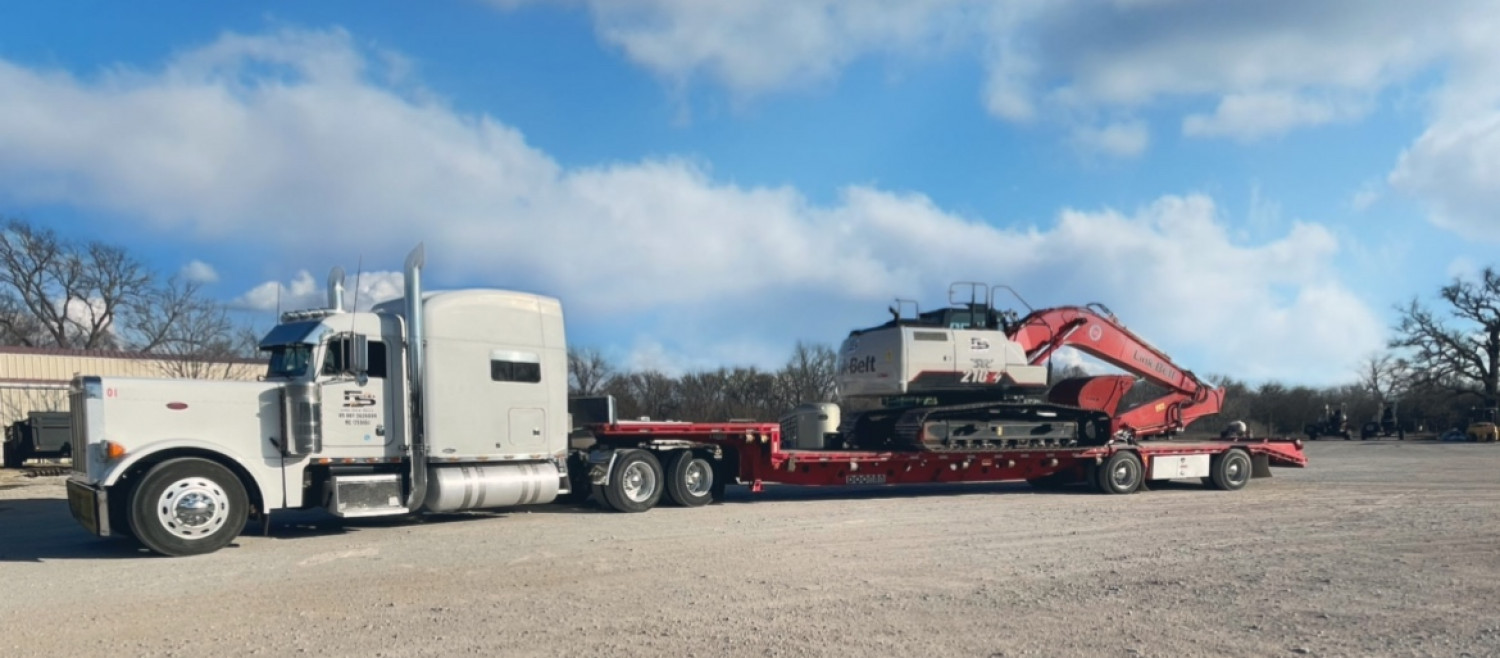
(1260, 466)
(601, 462)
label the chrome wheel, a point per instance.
(193, 508)
(638, 482)
(699, 478)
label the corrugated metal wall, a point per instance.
(37, 379)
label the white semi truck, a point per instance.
(452, 401)
(338, 422)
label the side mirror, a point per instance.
(359, 355)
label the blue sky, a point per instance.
(1251, 185)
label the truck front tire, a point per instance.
(635, 483)
(188, 506)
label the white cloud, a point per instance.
(1464, 268)
(754, 47)
(1268, 68)
(1248, 117)
(198, 271)
(223, 142)
(1125, 139)
(1367, 195)
(1455, 167)
(303, 292)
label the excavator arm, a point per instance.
(1095, 331)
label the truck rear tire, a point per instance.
(690, 479)
(1229, 471)
(188, 506)
(1122, 473)
(635, 484)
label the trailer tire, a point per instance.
(1121, 473)
(635, 484)
(690, 479)
(1230, 471)
(188, 506)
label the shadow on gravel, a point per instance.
(34, 530)
(37, 529)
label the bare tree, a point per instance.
(1385, 375)
(62, 295)
(55, 293)
(588, 371)
(807, 377)
(1463, 358)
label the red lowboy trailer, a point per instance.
(696, 461)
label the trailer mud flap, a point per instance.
(601, 462)
(1260, 465)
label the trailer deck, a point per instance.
(753, 454)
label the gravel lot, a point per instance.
(1379, 548)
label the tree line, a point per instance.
(89, 295)
(1441, 369)
(1442, 364)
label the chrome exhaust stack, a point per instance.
(414, 263)
(336, 289)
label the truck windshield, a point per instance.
(289, 361)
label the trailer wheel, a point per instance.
(635, 485)
(690, 479)
(1122, 473)
(1229, 471)
(188, 506)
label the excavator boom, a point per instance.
(1095, 331)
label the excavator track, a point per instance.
(978, 427)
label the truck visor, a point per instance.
(293, 333)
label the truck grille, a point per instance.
(80, 439)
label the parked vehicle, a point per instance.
(1389, 424)
(40, 435)
(1482, 427)
(449, 401)
(1335, 422)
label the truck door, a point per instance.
(354, 414)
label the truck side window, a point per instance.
(515, 371)
(336, 357)
(336, 360)
(377, 359)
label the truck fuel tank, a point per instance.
(456, 487)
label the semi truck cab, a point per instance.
(436, 402)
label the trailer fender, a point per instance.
(601, 462)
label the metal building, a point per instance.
(36, 378)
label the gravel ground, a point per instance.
(1378, 548)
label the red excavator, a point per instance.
(971, 377)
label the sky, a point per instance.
(1253, 185)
